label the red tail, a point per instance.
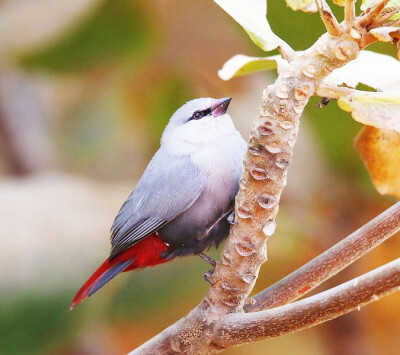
(145, 253)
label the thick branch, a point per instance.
(236, 329)
(271, 143)
(330, 262)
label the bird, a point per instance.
(183, 203)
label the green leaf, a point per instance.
(378, 109)
(302, 5)
(252, 16)
(242, 65)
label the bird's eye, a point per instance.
(197, 115)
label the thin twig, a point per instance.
(330, 262)
(328, 18)
(333, 91)
(235, 329)
(350, 11)
(386, 15)
(286, 52)
(372, 14)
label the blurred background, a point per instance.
(86, 88)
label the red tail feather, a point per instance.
(145, 253)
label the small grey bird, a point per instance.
(182, 201)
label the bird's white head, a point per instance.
(199, 121)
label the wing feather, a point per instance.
(168, 187)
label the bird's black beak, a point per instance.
(220, 106)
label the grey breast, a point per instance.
(204, 223)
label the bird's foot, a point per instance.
(231, 218)
(209, 273)
(208, 259)
(208, 276)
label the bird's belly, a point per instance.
(194, 230)
(191, 232)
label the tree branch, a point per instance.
(270, 149)
(330, 262)
(271, 143)
(328, 18)
(235, 329)
(332, 91)
(371, 14)
(350, 11)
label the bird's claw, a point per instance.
(208, 276)
(231, 218)
(208, 259)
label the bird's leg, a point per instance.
(208, 274)
(208, 230)
(208, 259)
(231, 218)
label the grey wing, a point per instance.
(168, 187)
